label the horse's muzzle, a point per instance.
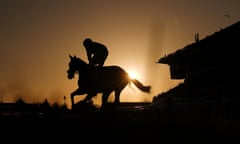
(70, 76)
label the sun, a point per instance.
(133, 74)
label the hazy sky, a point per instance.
(36, 37)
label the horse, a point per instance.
(93, 80)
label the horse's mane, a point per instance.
(78, 58)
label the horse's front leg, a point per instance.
(76, 92)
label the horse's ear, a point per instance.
(70, 56)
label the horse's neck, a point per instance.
(88, 70)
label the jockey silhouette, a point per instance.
(96, 52)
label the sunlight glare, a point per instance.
(133, 74)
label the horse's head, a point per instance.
(74, 65)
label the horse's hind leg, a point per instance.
(117, 96)
(105, 98)
(88, 97)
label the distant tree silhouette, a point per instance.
(45, 106)
(20, 102)
(55, 107)
(20, 105)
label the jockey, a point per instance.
(96, 52)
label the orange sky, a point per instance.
(36, 38)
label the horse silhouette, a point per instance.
(93, 80)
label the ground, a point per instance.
(136, 124)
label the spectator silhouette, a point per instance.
(96, 52)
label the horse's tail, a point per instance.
(139, 85)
